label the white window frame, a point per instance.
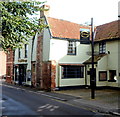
(102, 47)
(71, 48)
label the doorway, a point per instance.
(22, 73)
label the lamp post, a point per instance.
(92, 80)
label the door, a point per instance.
(22, 73)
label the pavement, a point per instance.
(107, 101)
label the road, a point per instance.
(18, 101)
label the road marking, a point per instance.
(54, 97)
(48, 107)
(1, 108)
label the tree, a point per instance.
(18, 23)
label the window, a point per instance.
(102, 75)
(71, 48)
(26, 50)
(102, 47)
(72, 71)
(19, 54)
(112, 75)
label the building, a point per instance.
(56, 58)
(107, 53)
(22, 63)
(2, 64)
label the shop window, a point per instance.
(102, 75)
(71, 48)
(112, 75)
(72, 71)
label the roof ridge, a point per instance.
(68, 21)
(108, 23)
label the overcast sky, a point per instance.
(81, 11)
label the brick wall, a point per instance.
(9, 66)
(45, 72)
(39, 58)
(46, 75)
(53, 74)
(49, 75)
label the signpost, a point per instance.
(85, 39)
(92, 80)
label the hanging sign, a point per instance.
(85, 36)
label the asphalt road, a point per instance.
(16, 101)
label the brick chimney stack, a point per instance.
(45, 11)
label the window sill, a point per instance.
(72, 54)
(103, 53)
(111, 80)
(102, 80)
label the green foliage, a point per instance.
(18, 23)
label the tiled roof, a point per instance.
(96, 59)
(64, 29)
(107, 31)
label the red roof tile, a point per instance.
(107, 31)
(64, 29)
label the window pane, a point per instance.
(102, 75)
(71, 47)
(72, 71)
(112, 75)
(102, 47)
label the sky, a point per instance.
(81, 11)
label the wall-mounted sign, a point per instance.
(22, 60)
(85, 36)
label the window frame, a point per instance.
(101, 72)
(71, 48)
(68, 72)
(102, 47)
(114, 73)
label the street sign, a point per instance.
(85, 36)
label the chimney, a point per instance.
(44, 11)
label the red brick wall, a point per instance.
(39, 62)
(46, 75)
(9, 66)
(49, 75)
(53, 74)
